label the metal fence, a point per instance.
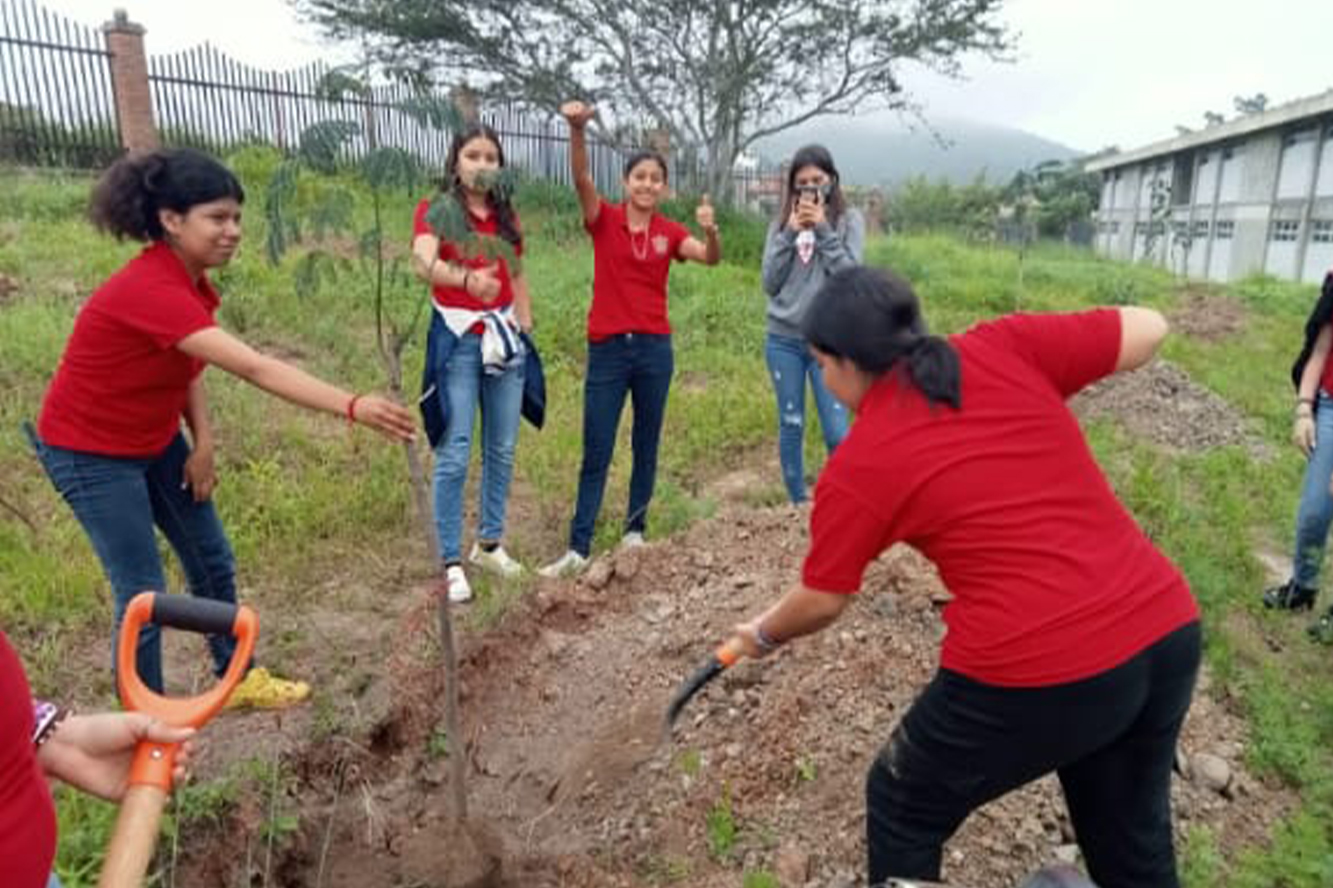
(206, 99)
(57, 106)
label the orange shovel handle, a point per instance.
(153, 762)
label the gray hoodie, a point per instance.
(791, 284)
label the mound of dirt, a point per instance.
(1208, 316)
(765, 767)
(1163, 405)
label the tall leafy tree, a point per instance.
(716, 75)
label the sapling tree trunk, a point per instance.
(382, 168)
(391, 343)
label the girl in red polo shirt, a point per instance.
(481, 306)
(629, 336)
(109, 434)
(1072, 642)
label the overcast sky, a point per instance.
(1088, 74)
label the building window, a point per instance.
(1225, 229)
(1233, 158)
(1321, 231)
(1285, 230)
(1307, 135)
(1115, 226)
(1200, 230)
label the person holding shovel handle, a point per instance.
(38, 740)
(1072, 644)
(109, 434)
(629, 335)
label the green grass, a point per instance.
(721, 828)
(306, 501)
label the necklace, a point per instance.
(639, 253)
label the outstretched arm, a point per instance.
(578, 114)
(216, 346)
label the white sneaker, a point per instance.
(460, 590)
(497, 561)
(569, 563)
(632, 539)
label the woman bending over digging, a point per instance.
(109, 433)
(629, 336)
(1072, 643)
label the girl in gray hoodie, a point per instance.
(814, 235)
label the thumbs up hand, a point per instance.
(704, 214)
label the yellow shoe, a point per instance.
(260, 690)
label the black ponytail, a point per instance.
(872, 318)
(132, 192)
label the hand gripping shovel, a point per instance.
(723, 658)
(135, 837)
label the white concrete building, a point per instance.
(1252, 194)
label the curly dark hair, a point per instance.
(132, 192)
(497, 198)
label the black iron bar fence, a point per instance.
(57, 104)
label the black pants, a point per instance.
(1110, 738)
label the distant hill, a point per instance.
(880, 149)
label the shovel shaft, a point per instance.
(723, 659)
(135, 838)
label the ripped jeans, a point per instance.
(790, 363)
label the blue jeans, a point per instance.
(790, 363)
(1315, 512)
(500, 397)
(640, 365)
(118, 501)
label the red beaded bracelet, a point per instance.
(351, 408)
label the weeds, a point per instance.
(721, 828)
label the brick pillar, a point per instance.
(129, 83)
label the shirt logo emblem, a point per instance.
(660, 244)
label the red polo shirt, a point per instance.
(1052, 579)
(122, 384)
(1326, 377)
(27, 816)
(629, 283)
(457, 297)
